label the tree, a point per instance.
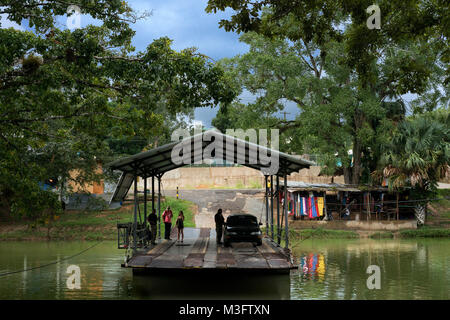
(418, 156)
(342, 20)
(356, 97)
(336, 113)
(62, 93)
(419, 153)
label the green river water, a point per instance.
(329, 269)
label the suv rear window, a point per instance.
(241, 221)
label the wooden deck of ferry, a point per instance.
(200, 253)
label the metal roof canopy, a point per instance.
(293, 186)
(157, 161)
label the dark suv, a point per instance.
(242, 228)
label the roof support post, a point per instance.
(159, 206)
(286, 223)
(145, 201)
(135, 214)
(271, 206)
(266, 196)
(153, 193)
(278, 211)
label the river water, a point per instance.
(329, 269)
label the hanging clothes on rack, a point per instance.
(313, 207)
(316, 205)
(291, 204)
(310, 205)
(320, 204)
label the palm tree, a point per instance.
(418, 155)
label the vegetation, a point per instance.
(90, 225)
(321, 233)
(425, 232)
(69, 97)
(382, 235)
(419, 153)
(343, 77)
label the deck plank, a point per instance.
(200, 251)
(195, 258)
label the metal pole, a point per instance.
(135, 214)
(153, 194)
(145, 201)
(278, 210)
(159, 207)
(271, 205)
(267, 205)
(286, 224)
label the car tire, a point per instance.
(258, 243)
(226, 243)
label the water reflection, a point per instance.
(328, 269)
(313, 266)
(337, 269)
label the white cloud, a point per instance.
(5, 23)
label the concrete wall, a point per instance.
(230, 201)
(229, 177)
(355, 225)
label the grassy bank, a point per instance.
(91, 225)
(425, 232)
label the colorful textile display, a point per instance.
(320, 204)
(310, 206)
(313, 206)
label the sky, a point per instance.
(188, 25)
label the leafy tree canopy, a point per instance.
(339, 109)
(321, 21)
(64, 93)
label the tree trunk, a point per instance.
(347, 175)
(356, 170)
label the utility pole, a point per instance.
(285, 113)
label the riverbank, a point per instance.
(298, 236)
(102, 225)
(89, 225)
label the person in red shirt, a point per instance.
(167, 218)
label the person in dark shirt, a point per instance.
(153, 219)
(180, 226)
(220, 220)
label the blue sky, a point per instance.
(188, 25)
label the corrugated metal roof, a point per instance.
(303, 186)
(124, 184)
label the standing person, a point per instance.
(220, 220)
(152, 219)
(180, 226)
(167, 218)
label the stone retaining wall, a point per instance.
(356, 225)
